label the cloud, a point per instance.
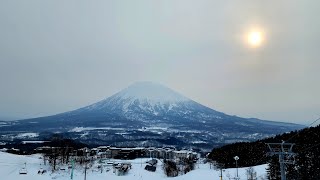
(57, 56)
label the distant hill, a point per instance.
(7, 118)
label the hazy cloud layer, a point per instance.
(56, 56)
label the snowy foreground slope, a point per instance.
(11, 164)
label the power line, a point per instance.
(301, 130)
(310, 147)
(257, 163)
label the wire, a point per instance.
(257, 163)
(300, 130)
(310, 147)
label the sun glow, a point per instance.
(255, 38)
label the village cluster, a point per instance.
(106, 158)
(125, 153)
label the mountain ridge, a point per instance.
(149, 112)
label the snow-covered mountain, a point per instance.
(147, 113)
(150, 101)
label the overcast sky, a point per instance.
(57, 56)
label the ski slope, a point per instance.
(11, 164)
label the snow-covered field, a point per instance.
(11, 164)
(27, 135)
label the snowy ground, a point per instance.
(11, 164)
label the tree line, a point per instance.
(307, 159)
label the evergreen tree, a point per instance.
(307, 160)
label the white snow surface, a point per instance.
(151, 92)
(11, 164)
(27, 135)
(33, 142)
(152, 98)
(80, 129)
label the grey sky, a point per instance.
(57, 56)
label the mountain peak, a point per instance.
(146, 96)
(151, 91)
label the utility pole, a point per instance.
(236, 158)
(44, 160)
(85, 169)
(71, 176)
(286, 156)
(220, 166)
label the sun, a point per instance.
(255, 38)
